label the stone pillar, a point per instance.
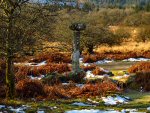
(77, 28)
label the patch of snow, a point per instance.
(55, 107)
(37, 78)
(18, 110)
(109, 100)
(40, 111)
(135, 59)
(137, 112)
(123, 76)
(80, 85)
(89, 74)
(91, 111)
(148, 108)
(120, 99)
(105, 61)
(81, 104)
(131, 110)
(92, 101)
(81, 60)
(86, 64)
(32, 64)
(41, 63)
(65, 84)
(2, 106)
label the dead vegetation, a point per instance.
(142, 79)
(35, 89)
(140, 67)
(52, 58)
(28, 88)
(42, 70)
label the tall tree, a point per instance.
(10, 10)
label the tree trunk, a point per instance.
(10, 82)
(76, 53)
(10, 90)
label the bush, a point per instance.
(93, 58)
(86, 68)
(51, 79)
(55, 92)
(144, 34)
(140, 67)
(2, 91)
(29, 88)
(2, 71)
(143, 79)
(21, 72)
(99, 89)
(98, 71)
(41, 70)
(76, 77)
(52, 58)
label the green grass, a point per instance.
(140, 100)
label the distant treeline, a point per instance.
(96, 4)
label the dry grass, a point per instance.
(137, 47)
(140, 67)
(41, 70)
(98, 71)
(29, 88)
(86, 68)
(52, 58)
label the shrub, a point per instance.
(52, 58)
(21, 72)
(86, 68)
(2, 91)
(41, 70)
(146, 54)
(99, 89)
(29, 88)
(98, 71)
(140, 67)
(54, 92)
(76, 77)
(93, 58)
(51, 79)
(2, 71)
(143, 79)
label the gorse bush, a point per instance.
(140, 67)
